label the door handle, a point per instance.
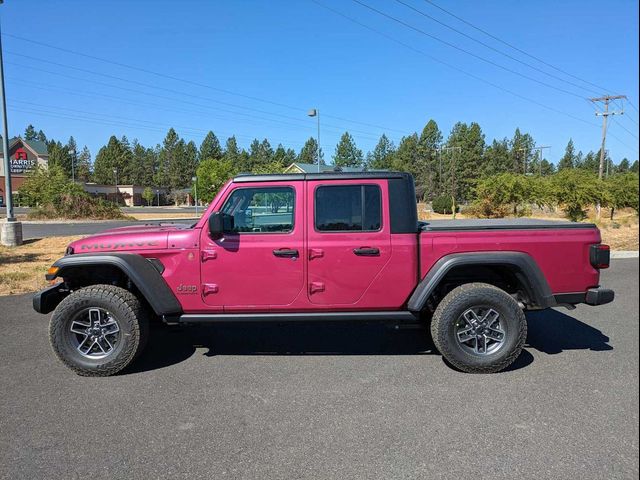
(286, 252)
(367, 252)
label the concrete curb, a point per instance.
(625, 254)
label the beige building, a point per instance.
(129, 195)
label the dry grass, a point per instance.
(22, 268)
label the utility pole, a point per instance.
(540, 148)
(10, 230)
(524, 168)
(605, 114)
(453, 174)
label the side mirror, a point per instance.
(219, 223)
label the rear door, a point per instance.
(349, 240)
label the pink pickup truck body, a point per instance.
(236, 273)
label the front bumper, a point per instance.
(48, 299)
(593, 296)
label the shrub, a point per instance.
(622, 191)
(485, 208)
(77, 206)
(575, 190)
(513, 191)
(443, 204)
(45, 185)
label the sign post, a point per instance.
(10, 229)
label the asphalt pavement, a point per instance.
(42, 230)
(328, 401)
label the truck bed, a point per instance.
(561, 249)
(500, 224)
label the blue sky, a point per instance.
(254, 68)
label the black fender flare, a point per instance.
(140, 270)
(523, 265)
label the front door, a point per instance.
(259, 263)
(349, 240)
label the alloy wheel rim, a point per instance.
(94, 333)
(479, 330)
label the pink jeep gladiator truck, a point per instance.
(327, 246)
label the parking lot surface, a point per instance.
(328, 401)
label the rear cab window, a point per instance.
(348, 208)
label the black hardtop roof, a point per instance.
(288, 177)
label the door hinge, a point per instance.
(209, 288)
(316, 287)
(208, 255)
(315, 253)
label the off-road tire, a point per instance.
(443, 327)
(124, 307)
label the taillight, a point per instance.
(600, 256)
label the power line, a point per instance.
(187, 81)
(486, 45)
(118, 123)
(251, 116)
(451, 66)
(467, 52)
(504, 42)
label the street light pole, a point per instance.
(11, 230)
(315, 112)
(115, 172)
(195, 191)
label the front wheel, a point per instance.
(98, 330)
(479, 328)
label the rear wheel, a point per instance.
(98, 330)
(479, 328)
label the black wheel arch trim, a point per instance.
(143, 273)
(524, 266)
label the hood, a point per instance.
(126, 239)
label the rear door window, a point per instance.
(348, 208)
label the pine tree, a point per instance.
(41, 137)
(426, 174)
(210, 148)
(347, 154)
(406, 155)
(136, 166)
(521, 151)
(238, 157)
(591, 162)
(498, 158)
(83, 165)
(465, 161)
(623, 166)
(168, 158)
(381, 158)
(72, 149)
(113, 156)
(568, 160)
(283, 157)
(309, 152)
(30, 133)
